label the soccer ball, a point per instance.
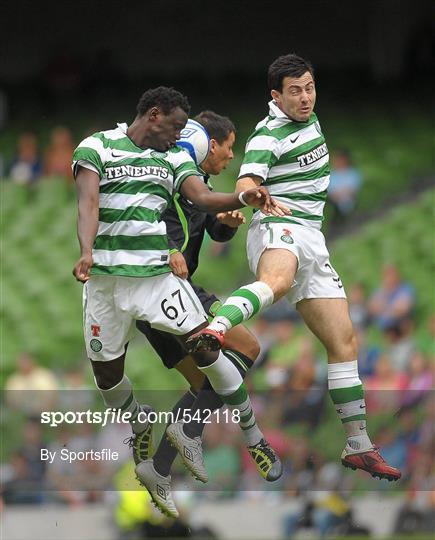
(195, 140)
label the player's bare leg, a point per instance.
(328, 319)
(275, 276)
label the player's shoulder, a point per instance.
(271, 126)
(103, 140)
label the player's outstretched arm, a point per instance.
(88, 187)
(196, 191)
(247, 182)
(250, 182)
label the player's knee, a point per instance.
(345, 348)
(108, 374)
(279, 284)
(254, 350)
(353, 345)
(204, 359)
(251, 348)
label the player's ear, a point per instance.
(213, 145)
(275, 95)
(153, 113)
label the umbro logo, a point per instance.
(161, 491)
(188, 454)
(294, 139)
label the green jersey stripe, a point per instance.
(129, 270)
(186, 171)
(131, 213)
(259, 156)
(124, 144)
(136, 186)
(144, 242)
(304, 196)
(138, 162)
(313, 174)
(295, 214)
(84, 153)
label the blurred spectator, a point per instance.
(18, 486)
(57, 161)
(420, 380)
(80, 481)
(426, 339)
(418, 513)
(394, 301)
(358, 305)
(345, 182)
(400, 343)
(306, 388)
(222, 459)
(76, 394)
(384, 388)
(284, 353)
(24, 478)
(367, 354)
(264, 326)
(325, 508)
(33, 442)
(32, 388)
(26, 166)
(427, 429)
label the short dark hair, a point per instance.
(166, 99)
(218, 127)
(289, 65)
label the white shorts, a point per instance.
(112, 304)
(315, 276)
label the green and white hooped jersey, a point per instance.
(136, 186)
(293, 160)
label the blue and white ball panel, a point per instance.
(195, 140)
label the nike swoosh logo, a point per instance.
(362, 406)
(180, 323)
(295, 139)
(117, 155)
(246, 307)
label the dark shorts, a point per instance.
(167, 346)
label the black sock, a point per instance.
(165, 453)
(207, 399)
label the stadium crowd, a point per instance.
(289, 389)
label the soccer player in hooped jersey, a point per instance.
(125, 178)
(288, 154)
